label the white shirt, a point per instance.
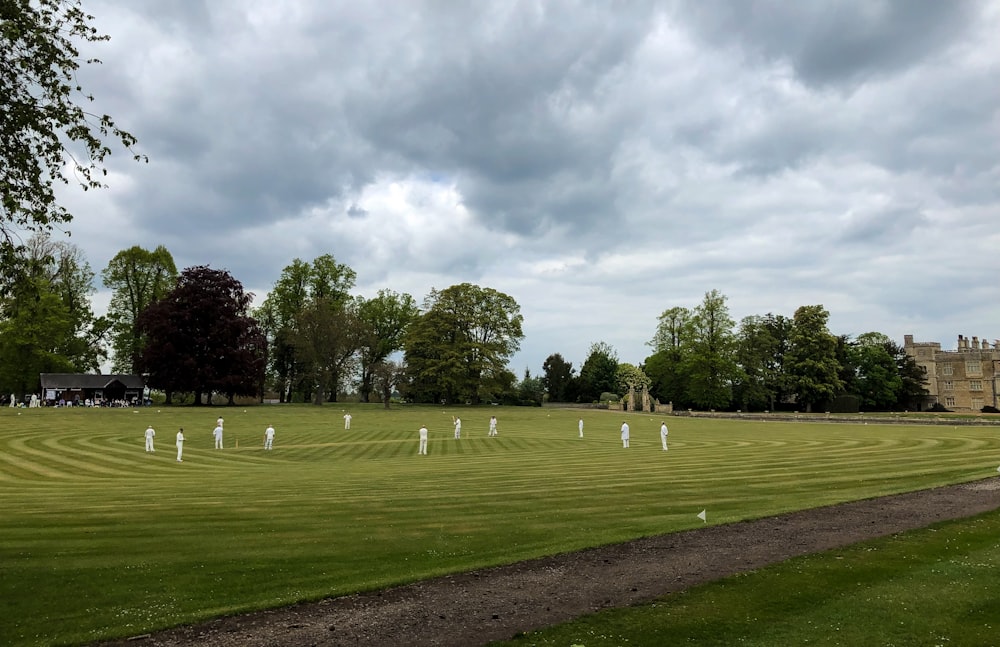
(218, 422)
(663, 430)
(218, 431)
(624, 430)
(180, 437)
(423, 433)
(269, 432)
(150, 433)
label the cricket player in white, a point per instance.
(268, 437)
(458, 428)
(180, 444)
(347, 421)
(218, 437)
(218, 423)
(625, 434)
(581, 427)
(493, 426)
(149, 439)
(423, 441)
(663, 434)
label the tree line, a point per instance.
(702, 359)
(195, 332)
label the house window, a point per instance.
(947, 369)
(976, 385)
(948, 386)
(977, 404)
(973, 368)
(949, 401)
(922, 352)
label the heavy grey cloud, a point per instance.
(600, 163)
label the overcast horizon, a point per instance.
(600, 163)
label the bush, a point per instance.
(609, 396)
(939, 408)
(990, 409)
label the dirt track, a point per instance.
(481, 606)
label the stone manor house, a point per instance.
(966, 379)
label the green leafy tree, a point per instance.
(710, 363)
(294, 296)
(383, 321)
(46, 321)
(761, 344)
(667, 367)
(530, 390)
(137, 278)
(878, 379)
(201, 338)
(811, 361)
(558, 375)
(44, 118)
(913, 380)
(599, 372)
(325, 343)
(386, 375)
(457, 350)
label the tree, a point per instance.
(457, 350)
(530, 390)
(811, 361)
(46, 321)
(599, 372)
(382, 321)
(558, 376)
(201, 338)
(137, 277)
(913, 378)
(710, 363)
(385, 376)
(761, 344)
(325, 341)
(878, 381)
(44, 121)
(667, 367)
(295, 293)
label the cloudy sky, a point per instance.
(599, 162)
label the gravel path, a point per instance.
(493, 604)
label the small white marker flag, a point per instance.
(701, 515)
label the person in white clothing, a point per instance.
(347, 421)
(458, 428)
(581, 427)
(493, 426)
(218, 437)
(663, 434)
(423, 441)
(268, 437)
(180, 445)
(625, 434)
(149, 439)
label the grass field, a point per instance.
(100, 539)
